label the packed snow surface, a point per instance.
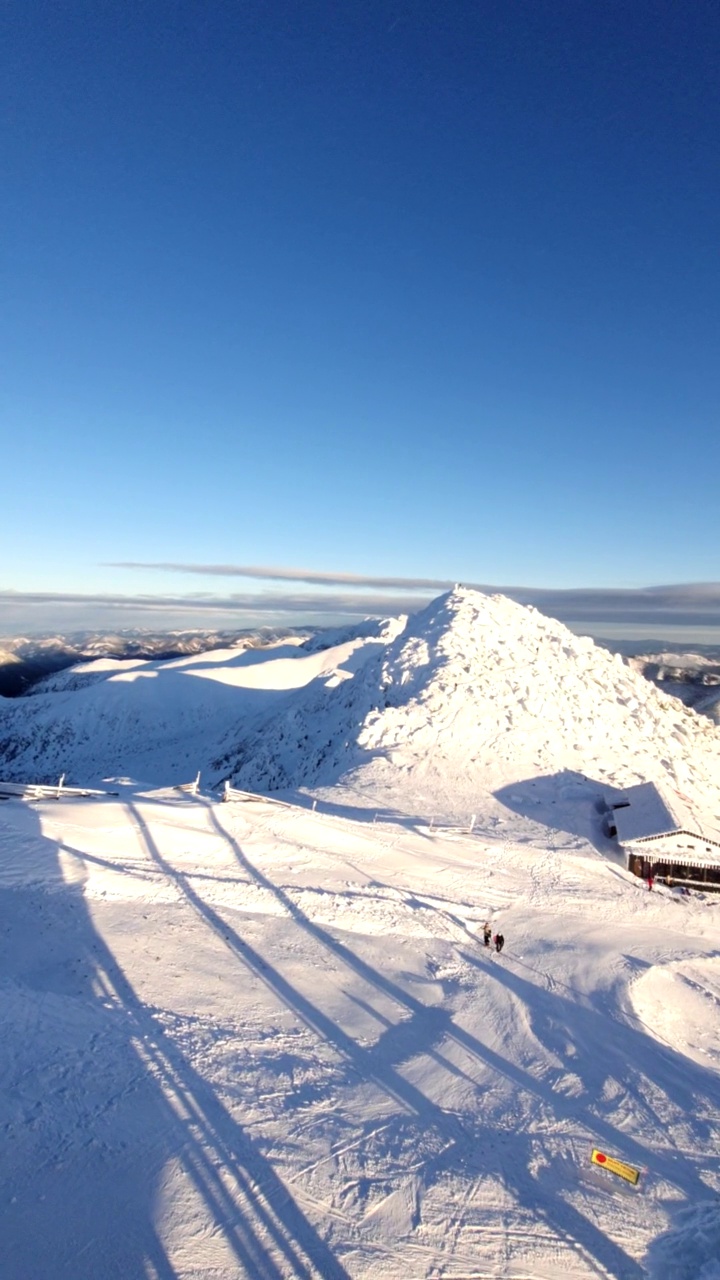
(247, 1040)
(265, 1041)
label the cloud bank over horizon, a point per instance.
(682, 609)
(692, 595)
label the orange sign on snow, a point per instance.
(618, 1167)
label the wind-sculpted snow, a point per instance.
(475, 693)
(672, 1001)
(690, 1249)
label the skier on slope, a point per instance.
(499, 942)
(487, 933)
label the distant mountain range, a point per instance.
(25, 660)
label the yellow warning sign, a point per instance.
(618, 1167)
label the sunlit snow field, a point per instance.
(254, 1040)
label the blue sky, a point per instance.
(399, 290)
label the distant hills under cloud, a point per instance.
(691, 608)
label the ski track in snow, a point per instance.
(241, 1040)
(283, 1057)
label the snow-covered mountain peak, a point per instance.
(476, 694)
(472, 699)
(466, 638)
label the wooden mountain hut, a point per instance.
(664, 838)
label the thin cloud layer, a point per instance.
(600, 611)
(260, 602)
(316, 578)
(51, 610)
(576, 602)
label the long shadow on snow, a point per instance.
(79, 1100)
(567, 801)
(404, 1037)
(117, 1102)
(603, 1050)
(424, 1032)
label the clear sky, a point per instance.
(391, 288)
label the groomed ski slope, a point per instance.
(241, 1040)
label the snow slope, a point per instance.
(158, 721)
(478, 694)
(476, 705)
(259, 1042)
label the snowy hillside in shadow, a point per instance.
(157, 720)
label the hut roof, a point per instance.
(644, 813)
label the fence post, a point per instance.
(59, 786)
(196, 784)
(314, 805)
(472, 821)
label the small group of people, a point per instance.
(498, 940)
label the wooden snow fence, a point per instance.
(189, 788)
(234, 793)
(40, 791)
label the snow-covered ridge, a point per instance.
(478, 692)
(694, 678)
(446, 713)
(29, 662)
(161, 720)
